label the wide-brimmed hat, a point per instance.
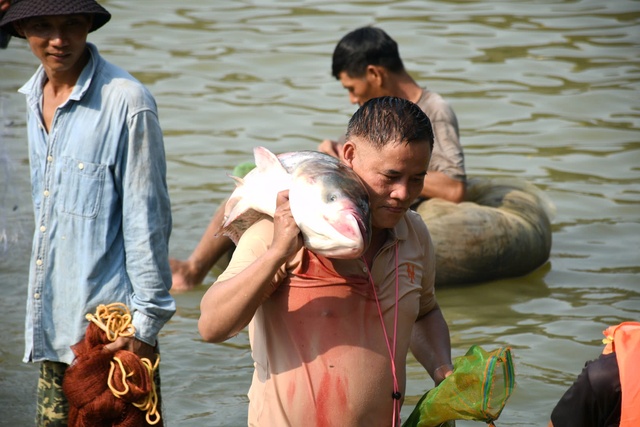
(23, 9)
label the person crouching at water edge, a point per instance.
(329, 337)
(101, 204)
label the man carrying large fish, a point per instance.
(367, 63)
(329, 336)
(328, 201)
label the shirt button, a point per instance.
(50, 158)
(43, 228)
(39, 262)
(36, 295)
(80, 166)
(364, 269)
(46, 193)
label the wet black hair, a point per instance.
(363, 47)
(389, 119)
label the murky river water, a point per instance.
(545, 91)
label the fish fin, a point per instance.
(239, 181)
(232, 209)
(220, 231)
(266, 160)
(236, 228)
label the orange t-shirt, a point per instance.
(319, 350)
(624, 340)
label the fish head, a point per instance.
(331, 207)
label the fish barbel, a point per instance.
(327, 198)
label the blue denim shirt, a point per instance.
(102, 210)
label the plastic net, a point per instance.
(242, 169)
(477, 390)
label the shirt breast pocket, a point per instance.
(81, 187)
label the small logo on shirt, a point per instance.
(411, 272)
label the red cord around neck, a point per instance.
(396, 395)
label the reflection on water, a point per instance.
(544, 91)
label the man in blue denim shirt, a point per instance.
(101, 204)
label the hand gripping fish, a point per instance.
(328, 201)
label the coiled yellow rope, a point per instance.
(115, 320)
(150, 402)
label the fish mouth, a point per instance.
(349, 237)
(363, 231)
(364, 228)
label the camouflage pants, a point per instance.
(52, 405)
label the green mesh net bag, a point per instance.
(477, 390)
(242, 169)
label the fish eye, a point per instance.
(332, 198)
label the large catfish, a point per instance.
(328, 201)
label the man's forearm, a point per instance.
(211, 247)
(438, 184)
(431, 344)
(228, 306)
